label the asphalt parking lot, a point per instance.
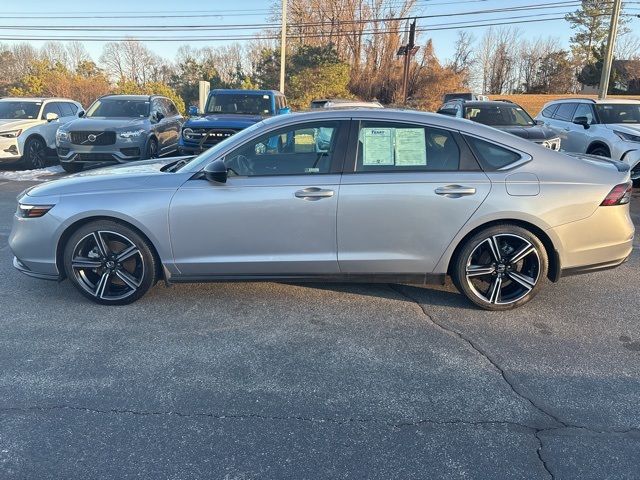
(247, 380)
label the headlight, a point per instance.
(627, 136)
(32, 211)
(187, 133)
(552, 143)
(11, 133)
(131, 134)
(61, 135)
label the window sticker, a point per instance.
(411, 148)
(377, 146)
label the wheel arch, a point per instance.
(554, 259)
(598, 143)
(69, 230)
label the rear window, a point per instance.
(549, 111)
(492, 156)
(565, 112)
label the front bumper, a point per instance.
(10, 150)
(119, 152)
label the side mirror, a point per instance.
(216, 171)
(158, 116)
(193, 111)
(584, 121)
(50, 117)
(80, 113)
(284, 111)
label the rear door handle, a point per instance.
(314, 193)
(455, 191)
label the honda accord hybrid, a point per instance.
(363, 195)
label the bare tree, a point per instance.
(55, 53)
(463, 57)
(76, 55)
(497, 57)
(130, 61)
(628, 47)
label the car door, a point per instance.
(577, 139)
(410, 189)
(174, 120)
(48, 128)
(562, 124)
(276, 213)
(160, 125)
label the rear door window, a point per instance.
(51, 107)
(584, 110)
(565, 112)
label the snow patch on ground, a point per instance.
(38, 174)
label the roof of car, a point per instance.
(482, 103)
(131, 97)
(251, 92)
(594, 100)
(35, 99)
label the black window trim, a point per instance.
(467, 158)
(337, 160)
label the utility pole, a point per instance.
(408, 50)
(611, 45)
(283, 44)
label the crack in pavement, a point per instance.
(539, 453)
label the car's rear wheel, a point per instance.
(35, 153)
(109, 263)
(501, 268)
(71, 167)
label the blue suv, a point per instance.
(226, 113)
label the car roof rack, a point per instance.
(573, 99)
(503, 100)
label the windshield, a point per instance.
(119, 108)
(199, 162)
(19, 110)
(239, 103)
(505, 115)
(618, 112)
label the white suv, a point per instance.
(28, 128)
(609, 128)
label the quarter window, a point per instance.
(565, 112)
(305, 149)
(385, 147)
(549, 111)
(492, 156)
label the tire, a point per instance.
(71, 167)
(500, 283)
(151, 150)
(601, 151)
(110, 263)
(35, 153)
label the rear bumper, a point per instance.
(602, 241)
(21, 267)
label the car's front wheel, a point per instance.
(35, 153)
(501, 268)
(152, 150)
(109, 263)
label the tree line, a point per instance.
(336, 48)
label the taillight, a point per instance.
(619, 195)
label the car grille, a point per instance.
(93, 138)
(216, 135)
(94, 157)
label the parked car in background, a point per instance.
(356, 195)
(608, 128)
(120, 129)
(28, 128)
(343, 103)
(226, 112)
(503, 115)
(464, 96)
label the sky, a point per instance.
(49, 16)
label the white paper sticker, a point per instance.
(377, 146)
(411, 148)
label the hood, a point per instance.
(11, 124)
(532, 132)
(133, 176)
(101, 123)
(632, 128)
(223, 121)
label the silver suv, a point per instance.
(609, 128)
(119, 129)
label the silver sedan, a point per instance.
(344, 195)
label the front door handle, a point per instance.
(314, 193)
(455, 191)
